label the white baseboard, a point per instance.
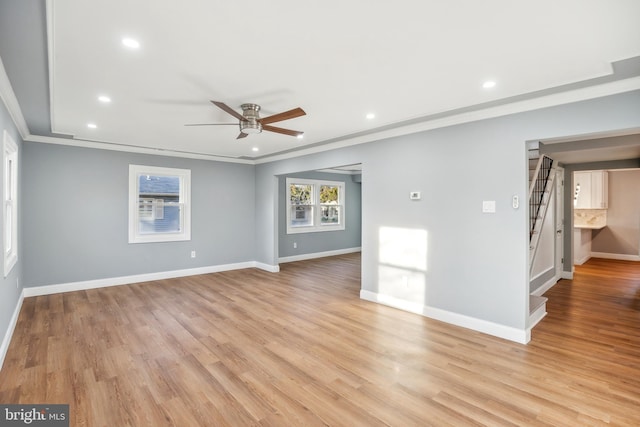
(536, 317)
(267, 267)
(567, 275)
(543, 272)
(621, 257)
(127, 280)
(509, 333)
(4, 346)
(545, 287)
(303, 257)
(583, 259)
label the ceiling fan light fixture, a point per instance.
(250, 121)
(250, 127)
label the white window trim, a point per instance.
(10, 201)
(135, 171)
(317, 211)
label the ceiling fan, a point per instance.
(250, 121)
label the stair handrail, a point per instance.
(533, 216)
(535, 175)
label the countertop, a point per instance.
(590, 227)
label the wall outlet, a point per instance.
(193, 254)
(295, 245)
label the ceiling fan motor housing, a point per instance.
(250, 112)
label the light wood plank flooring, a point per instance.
(251, 348)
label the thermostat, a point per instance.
(414, 195)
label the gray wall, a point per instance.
(9, 293)
(76, 208)
(477, 264)
(622, 233)
(309, 243)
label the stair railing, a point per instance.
(539, 193)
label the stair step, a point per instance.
(535, 302)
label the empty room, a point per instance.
(347, 214)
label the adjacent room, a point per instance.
(418, 213)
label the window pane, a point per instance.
(301, 194)
(170, 223)
(330, 214)
(301, 216)
(159, 208)
(329, 194)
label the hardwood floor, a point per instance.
(251, 348)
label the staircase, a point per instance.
(541, 181)
(540, 186)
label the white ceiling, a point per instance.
(337, 60)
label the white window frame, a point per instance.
(135, 172)
(316, 225)
(10, 205)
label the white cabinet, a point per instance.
(599, 190)
(582, 190)
(591, 190)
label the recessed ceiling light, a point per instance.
(300, 136)
(92, 125)
(489, 84)
(255, 149)
(370, 116)
(131, 43)
(104, 99)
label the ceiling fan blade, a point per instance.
(281, 130)
(229, 110)
(291, 114)
(211, 124)
(242, 135)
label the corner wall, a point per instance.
(452, 261)
(10, 293)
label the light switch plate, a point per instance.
(489, 206)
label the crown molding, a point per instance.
(133, 149)
(546, 101)
(566, 97)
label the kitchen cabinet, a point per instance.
(591, 190)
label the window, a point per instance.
(159, 204)
(10, 208)
(314, 205)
